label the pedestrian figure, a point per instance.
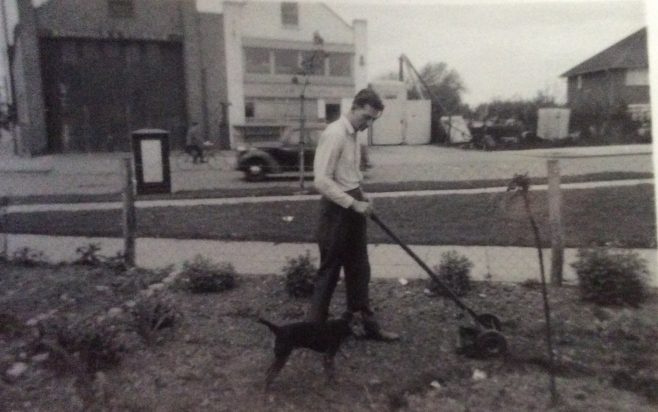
(194, 143)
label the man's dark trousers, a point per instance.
(342, 237)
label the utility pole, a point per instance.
(8, 103)
(5, 55)
(302, 120)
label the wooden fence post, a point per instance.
(555, 221)
(129, 215)
(4, 204)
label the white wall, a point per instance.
(258, 24)
(263, 20)
(360, 54)
(234, 65)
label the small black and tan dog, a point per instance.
(325, 337)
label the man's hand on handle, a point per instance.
(364, 208)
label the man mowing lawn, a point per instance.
(344, 211)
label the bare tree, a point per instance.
(444, 83)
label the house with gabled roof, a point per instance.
(611, 87)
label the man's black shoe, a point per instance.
(374, 332)
(382, 336)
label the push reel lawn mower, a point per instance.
(484, 339)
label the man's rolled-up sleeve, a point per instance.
(324, 167)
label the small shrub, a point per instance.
(204, 276)
(137, 278)
(454, 272)
(96, 345)
(88, 255)
(152, 314)
(26, 256)
(117, 263)
(531, 283)
(608, 277)
(10, 325)
(300, 274)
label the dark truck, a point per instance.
(498, 136)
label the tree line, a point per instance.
(447, 87)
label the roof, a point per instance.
(628, 53)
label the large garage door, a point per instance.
(97, 91)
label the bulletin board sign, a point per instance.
(151, 161)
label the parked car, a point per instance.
(499, 136)
(259, 159)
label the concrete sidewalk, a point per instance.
(498, 264)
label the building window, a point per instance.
(289, 14)
(579, 82)
(257, 60)
(133, 54)
(286, 61)
(153, 53)
(91, 50)
(637, 77)
(313, 62)
(249, 110)
(640, 112)
(69, 52)
(340, 64)
(111, 50)
(121, 8)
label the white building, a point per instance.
(265, 44)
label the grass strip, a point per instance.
(621, 215)
(293, 189)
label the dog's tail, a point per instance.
(274, 328)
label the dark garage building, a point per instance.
(87, 72)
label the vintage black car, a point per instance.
(259, 159)
(498, 136)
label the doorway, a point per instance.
(332, 112)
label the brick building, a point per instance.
(611, 87)
(87, 72)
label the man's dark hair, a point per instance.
(368, 97)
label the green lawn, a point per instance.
(625, 215)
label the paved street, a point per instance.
(101, 173)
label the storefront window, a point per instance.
(637, 77)
(313, 62)
(340, 64)
(257, 60)
(286, 61)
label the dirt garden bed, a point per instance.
(214, 355)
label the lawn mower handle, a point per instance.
(422, 264)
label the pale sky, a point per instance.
(501, 49)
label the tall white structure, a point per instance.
(265, 44)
